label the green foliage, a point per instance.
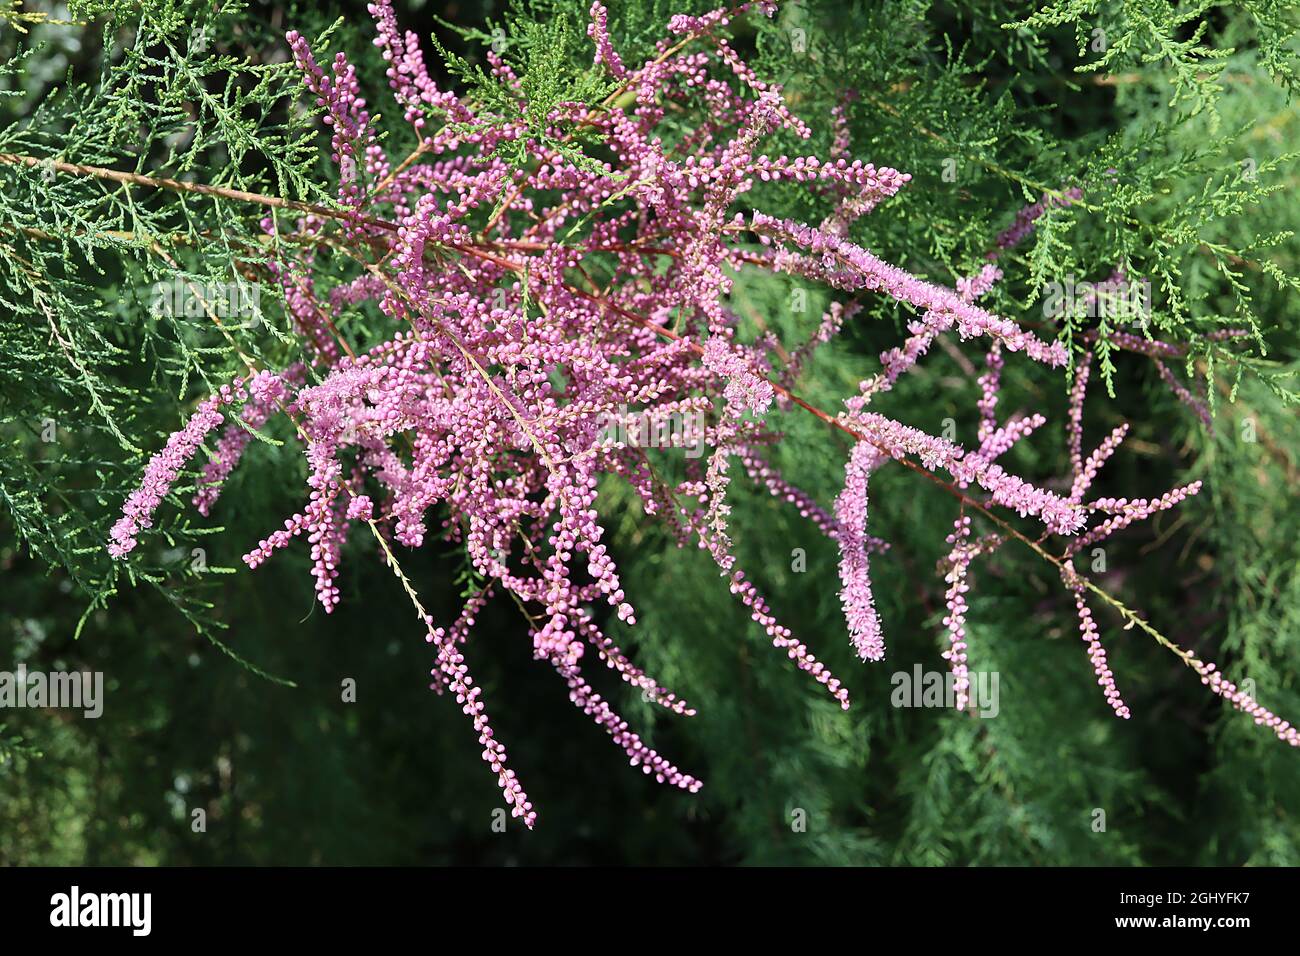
(1190, 43)
(541, 48)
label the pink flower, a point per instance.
(855, 594)
(483, 423)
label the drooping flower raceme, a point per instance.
(533, 307)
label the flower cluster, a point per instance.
(480, 421)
